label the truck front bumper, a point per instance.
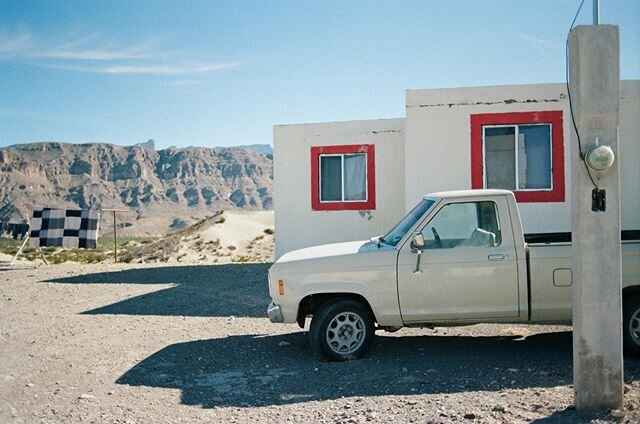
(274, 313)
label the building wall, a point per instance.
(297, 225)
(629, 155)
(438, 144)
(430, 151)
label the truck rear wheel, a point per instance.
(631, 324)
(341, 330)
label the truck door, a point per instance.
(468, 268)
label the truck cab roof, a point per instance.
(468, 193)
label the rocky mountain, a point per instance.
(265, 149)
(158, 188)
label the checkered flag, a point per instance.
(70, 228)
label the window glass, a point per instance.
(463, 225)
(330, 178)
(534, 157)
(347, 169)
(355, 177)
(343, 177)
(499, 144)
(528, 146)
(532, 167)
(395, 235)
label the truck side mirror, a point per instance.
(417, 245)
(418, 241)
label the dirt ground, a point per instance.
(152, 344)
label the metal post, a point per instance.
(596, 12)
(115, 231)
(115, 238)
(24, 243)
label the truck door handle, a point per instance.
(496, 257)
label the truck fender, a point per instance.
(310, 303)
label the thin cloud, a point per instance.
(82, 50)
(92, 54)
(151, 69)
(547, 49)
(14, 43)
(86, 55)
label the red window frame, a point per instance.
(369, 204)
(554, 117)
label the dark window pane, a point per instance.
(500, 158)
(330, 178)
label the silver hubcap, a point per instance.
(345, 333)
(634, 327)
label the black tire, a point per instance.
(631, 324)
(341, 330)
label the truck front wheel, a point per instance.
(341, 330)
(631, 324)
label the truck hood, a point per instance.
(328, 251)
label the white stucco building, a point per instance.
(352, 180)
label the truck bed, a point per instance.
(549, 259)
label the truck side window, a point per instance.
(464, 225)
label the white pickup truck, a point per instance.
(457, 258)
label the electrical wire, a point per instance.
(573, 119)
(576, 17)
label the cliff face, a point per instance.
(154, 186)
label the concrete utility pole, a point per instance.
(597, 265)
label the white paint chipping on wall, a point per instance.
(429, 151)
(296, 224)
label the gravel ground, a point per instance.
(142, 344)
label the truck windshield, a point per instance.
(395, 235)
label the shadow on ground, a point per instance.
(253, 370)
(202, 290)
(571, 416)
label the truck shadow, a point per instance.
(255, 370)
(201, 290)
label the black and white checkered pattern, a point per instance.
(64, 228)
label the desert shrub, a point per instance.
(269, 231)
(242, 258)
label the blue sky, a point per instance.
(219, 73)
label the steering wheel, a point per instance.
(436, 236)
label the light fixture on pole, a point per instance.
(599, 158)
